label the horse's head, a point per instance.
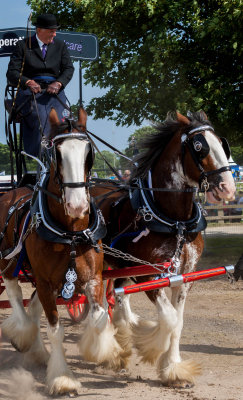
(72, 155)
(205, 157)
(186, 152)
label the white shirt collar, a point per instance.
(39, 41)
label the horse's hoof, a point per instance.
(181, 385)
(64, 385)
(15, 346)
(73, 394)
(24, 349)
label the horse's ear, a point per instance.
(203, 115)
(183, 120)
(53, 117)
(82, 118)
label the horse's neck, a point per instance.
(168, 173)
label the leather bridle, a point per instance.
(199, 149)
(50, 155)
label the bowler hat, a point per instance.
(46, 21)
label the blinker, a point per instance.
(199, 145)
(90, 158)
(226, 147)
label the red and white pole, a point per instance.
(174, 280)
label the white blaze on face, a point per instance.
(226, 188)
(74, 153)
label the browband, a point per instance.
(70, 135)
(201, 128)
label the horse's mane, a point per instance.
(153, 144)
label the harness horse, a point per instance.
(159, 221)
(59, 240)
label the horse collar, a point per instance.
(155, 220)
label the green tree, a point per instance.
(100, 166)
(157, 56)
(237, 154)
(133, 145)
(5, 162)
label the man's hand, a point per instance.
(54, 87)
(33, 86)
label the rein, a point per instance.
(203, 183)
(99, 139)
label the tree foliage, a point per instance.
(5, 162)
(101, 167)
(157, 56)
(134, 145)
(237, 154)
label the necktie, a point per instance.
(44, 50)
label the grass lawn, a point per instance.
(220, 250)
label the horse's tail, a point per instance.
(238, 273)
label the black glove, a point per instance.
(33, 86)
(54, 87)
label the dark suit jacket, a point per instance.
(57, 62)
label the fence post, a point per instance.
(221, 214)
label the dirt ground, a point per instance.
(212, 335)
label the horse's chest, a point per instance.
(87, 266)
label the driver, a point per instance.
(41, 66)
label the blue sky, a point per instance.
(15, 14)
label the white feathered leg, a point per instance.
(98, 343)
(151, 338)
(123, 310)
(60, 378)
(171, 370)
(123, 318)
(18, 327)
(38, 352)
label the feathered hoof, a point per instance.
(37, 357)
(21, 335)
(179, 375)
(180, 385)
(18, 348)
(116, 364)
(101, 347)
(64, 385)
(123, 337)
(148, 340)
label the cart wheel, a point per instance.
(78, 308)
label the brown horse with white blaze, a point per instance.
(61, 236)
(159, 222)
